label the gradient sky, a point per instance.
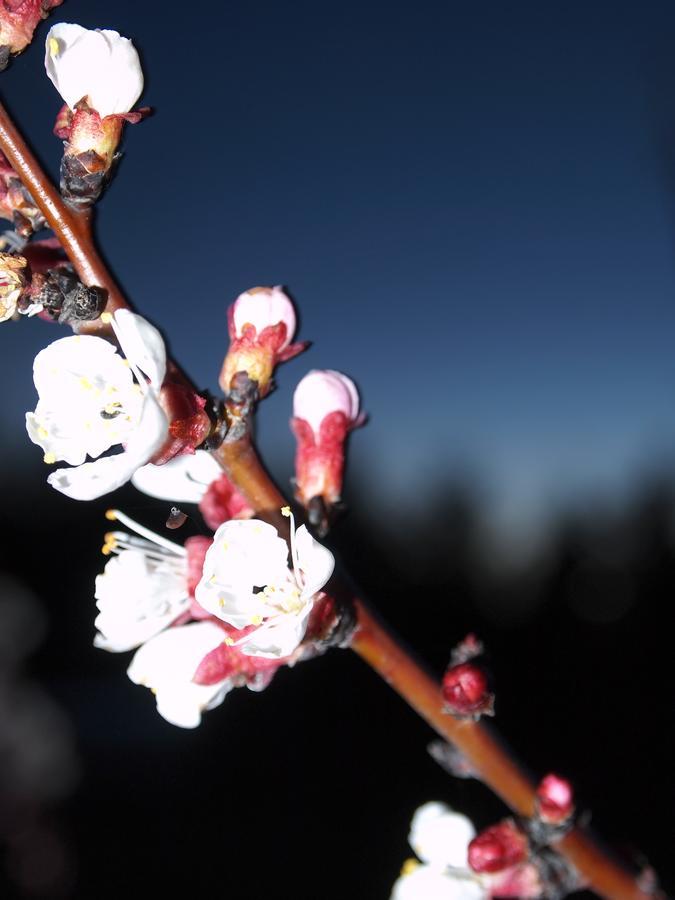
(473, 205)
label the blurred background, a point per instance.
(474, 207)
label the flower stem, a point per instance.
(372, 641)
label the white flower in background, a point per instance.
(90, 402)
(247, 581)
(167, 664)
(440, 838)
(143, 588)
(99, 66)
(184, 479)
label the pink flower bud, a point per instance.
(325, 409)
(497, 848)
(555, 800)
(222, 501)
(465, 691)
(261, 324)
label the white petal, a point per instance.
(278, 637)
(440, 836)
(94, 479)
(167, 663)
(427, 883)
(99, 65)
(184, 479)
(142, 344)
(315, 560)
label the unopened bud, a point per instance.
(325, 410)
(99, 76)
(261, 324)
(555, 800)
(465, 691)
(497, 848)
(12, 283)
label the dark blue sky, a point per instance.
(473, 205)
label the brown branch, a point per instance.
(372, 641)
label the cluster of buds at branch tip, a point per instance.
(325, 410)
(465, 687)
(261, 323)
(16, 204)
(18, 21)
(99, 76)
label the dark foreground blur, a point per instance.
(309, 787)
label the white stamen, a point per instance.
(115, 514)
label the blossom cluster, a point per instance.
(207, 615)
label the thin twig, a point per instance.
(372, 641)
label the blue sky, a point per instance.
(472, 205)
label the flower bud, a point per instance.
(99, 76)
(18, 21)
(16, 204)
(222, 501)
(261, 324)
(325, 409)
(555, 800)
(465, 691)
(498, 847)
(12, 283)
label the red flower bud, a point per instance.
(555, 800)
(497, 848)
(465, 691)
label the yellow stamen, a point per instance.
(111, 515)
(286, 511)
(49, 458)
(256, 620)
(43, 433)
(85, 383)
(409, 866)
(228, 642)
(54, 48)
(106, 318)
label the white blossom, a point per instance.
(184, 479)
(143, 588)
(89, 402)
(247, 581)
(167, 664)
(440, 837)
(99, 66)
(428, 883)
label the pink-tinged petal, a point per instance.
(322, 392)
(263, 307)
